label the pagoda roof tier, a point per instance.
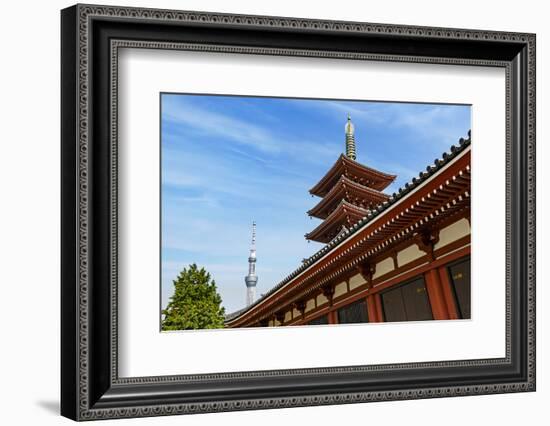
(346, 214)
(350, 191)
(355, 171)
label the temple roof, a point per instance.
(345, 189)
(404, 191)
(346, 214)
(352, 170)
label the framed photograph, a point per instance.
(263, 212)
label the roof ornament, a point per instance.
(350, 139)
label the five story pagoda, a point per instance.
(348, 191)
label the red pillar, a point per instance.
(450, 301)
(332, 317)
(379, 310)
(371, 308)
(435, 294)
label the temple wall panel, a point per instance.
(453, 232)
(295, 313)
(270, 323)
(288, 316)
(408, 255)
(321, 300)
(340, 289)
(310, 305)
(356, 281)
(383, 267)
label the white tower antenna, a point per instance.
(251, 279)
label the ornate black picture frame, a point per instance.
(91, 387)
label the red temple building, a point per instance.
(399, 257)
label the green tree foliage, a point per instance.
(195, 303)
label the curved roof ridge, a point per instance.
(342, 161)
(342, 206)
(338, 187)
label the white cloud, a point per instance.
(224, 126)
(430, 122)
(218, 125)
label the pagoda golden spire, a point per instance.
(350, 139)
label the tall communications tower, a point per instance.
(251, 279)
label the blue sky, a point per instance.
(228, 160)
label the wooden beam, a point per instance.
(426, 240)
(328, 292)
